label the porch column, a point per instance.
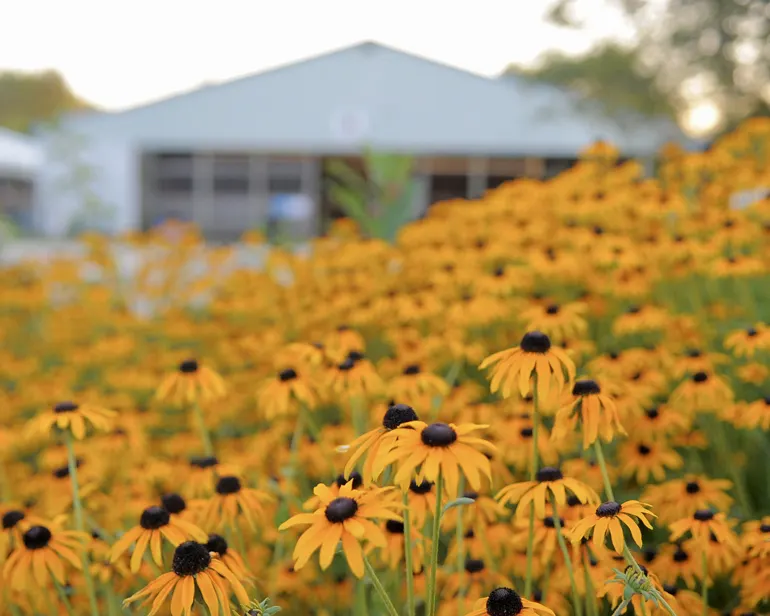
(478, 170)
(203, 189)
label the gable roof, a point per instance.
(371, 94)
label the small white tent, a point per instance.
(19, 155)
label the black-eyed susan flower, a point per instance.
(746, 342)
(702, 392)
(194, 573)
(354, 376)
(280, 395)
(549, 481)
(231, 558)
(596, 412)
(421, 500)
(608, 518)
(413, 385)
(507, 602)
(231, 502)
(679, 498)
(13, 523)
(393, 553)
(355, 479)
(191, 382)
(370, 443)
(558, 321)
(424, 452)
(642, 459)
(43, 553)
(346, 518)
(71, 417)
(703, 525)
(514, 368)
(155, 525)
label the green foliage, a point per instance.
(380, 198)
(717, 47)
(608, 75)
(26, 98)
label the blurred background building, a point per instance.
(20, 163)
(251, 153)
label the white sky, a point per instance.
(118, 53)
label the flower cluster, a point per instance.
(562, 384)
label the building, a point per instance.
(20, 160)
(236, 155)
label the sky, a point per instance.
(119, 53)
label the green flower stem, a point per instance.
(591, 608)
(77, 505)
(535, 462)
(63, 598)
(200, 422)
(723, 449)
(705, 589)
(362, 606)
(432, 599)
(408, 556)
(380, 589)
(567, 559)
(621, 607)
(459, 538)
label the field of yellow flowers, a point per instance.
(554, 400)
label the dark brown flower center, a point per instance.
(764, 528)
(585, 387)
(154, 518)
(704, 515)
(355, 477)
(398, 414)
(12, 518)
(700, 377)
(204, 462)
(190, 558)
(680, 556)
(65, 407)
(504, 602)
(526, 432)
(287, 375)
(751, 332)
(535, 342)
(692, 487)
(438, 435)
(217, 543)
(474, 565)
(173, 503)
(228, 485)
(643, 450)
(608, 510)
(552, 309)
(420, 488)
(652, 413)
(36, 538)
(340, 509)
(413, 369)
(394, 527)
(189, 366)
(549, 473)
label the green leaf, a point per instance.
(458, 502)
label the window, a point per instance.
(231, 174)
(554, 166)
(284, 176)
(174, 173)
(445, 187)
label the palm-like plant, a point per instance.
(379, 199)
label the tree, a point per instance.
(699, 51)
(26, 98)
(609, 75)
